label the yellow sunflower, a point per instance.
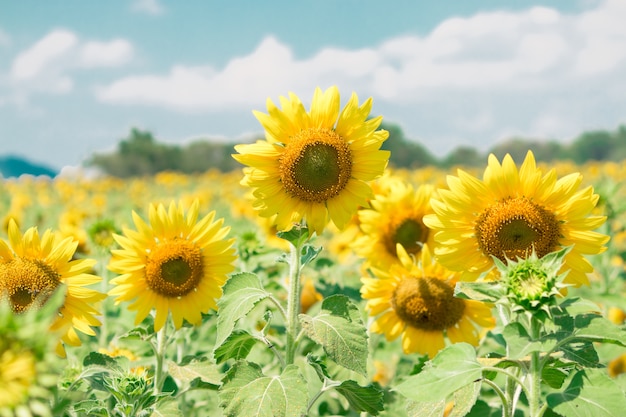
(314, 165)
(395, 217)
(416, 300)
(34, 267)
(17, 375)
(175, 263)
(509, 213)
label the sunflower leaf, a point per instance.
(187, 375)
(452, 369)
(590, 393)
(168, 407)
(488, 292)
(338, 327)
(246, 392)
(237, 346)
(367, 399)
(241, 293)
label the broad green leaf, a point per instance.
(595, 328)
(489, 292)
(339, 329)
(237, 346)
(425, 409)
(205, 371)
(241, 293)
(101, 359)
(462, 400)
(583, 353)
(95, 408)
(590, 393)
(248, 393)
(166, 408)
(363, 399)
(518, 341)
(453, 368)
(309, 253)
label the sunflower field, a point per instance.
(316, 281)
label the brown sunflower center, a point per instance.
(315, 165)
(514, 226)
(408, 232)
(427, 303)
(26, 281)
(174, 268)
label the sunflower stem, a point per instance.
(161, 345)
(534, 372)
(293, 300)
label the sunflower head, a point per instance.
(175, 263)
(34, 266)
(415, 299)
(533, 284)
(314, 165)
(512, 213)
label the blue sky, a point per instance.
(76, 76)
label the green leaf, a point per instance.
(248, 393)
(425, 409)
(167, 408)
(583, 353)
(463, 401)
(237, 346)
(363, 399)
(309, 253)
(453, 368)
(241, 293)
(518, 341)
(339, 329)
(595, 328)
(297, 235)
(556, 372)
(488, 292)
(187, 375)
(590, 393)
(101, 359)
(319, 367)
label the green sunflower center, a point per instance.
(513, 227)
(316, 165)
(174, 268)
(427, 303)
(27, 281)
(408, 232)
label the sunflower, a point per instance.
(395, 217)
(314, 165)
(416, 300)
(36, 266)
(510, 213)
(17, 375)
(175, 263)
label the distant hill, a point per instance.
(14, 166)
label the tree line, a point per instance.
(140, 154)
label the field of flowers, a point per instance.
(496, 291)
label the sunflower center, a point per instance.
(27, 280)
(174, 268)
(315, 165)
(427, 303)
(513, 227)
(410, 233)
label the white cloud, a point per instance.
(531, 71)
(48, 65)
(50, 49)
(106, 54)
(151, 7)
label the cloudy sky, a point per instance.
(76, 76)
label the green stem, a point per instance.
(534, 372)
(293, 301)
(506, 409)
(159, 353)
(104, 289)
